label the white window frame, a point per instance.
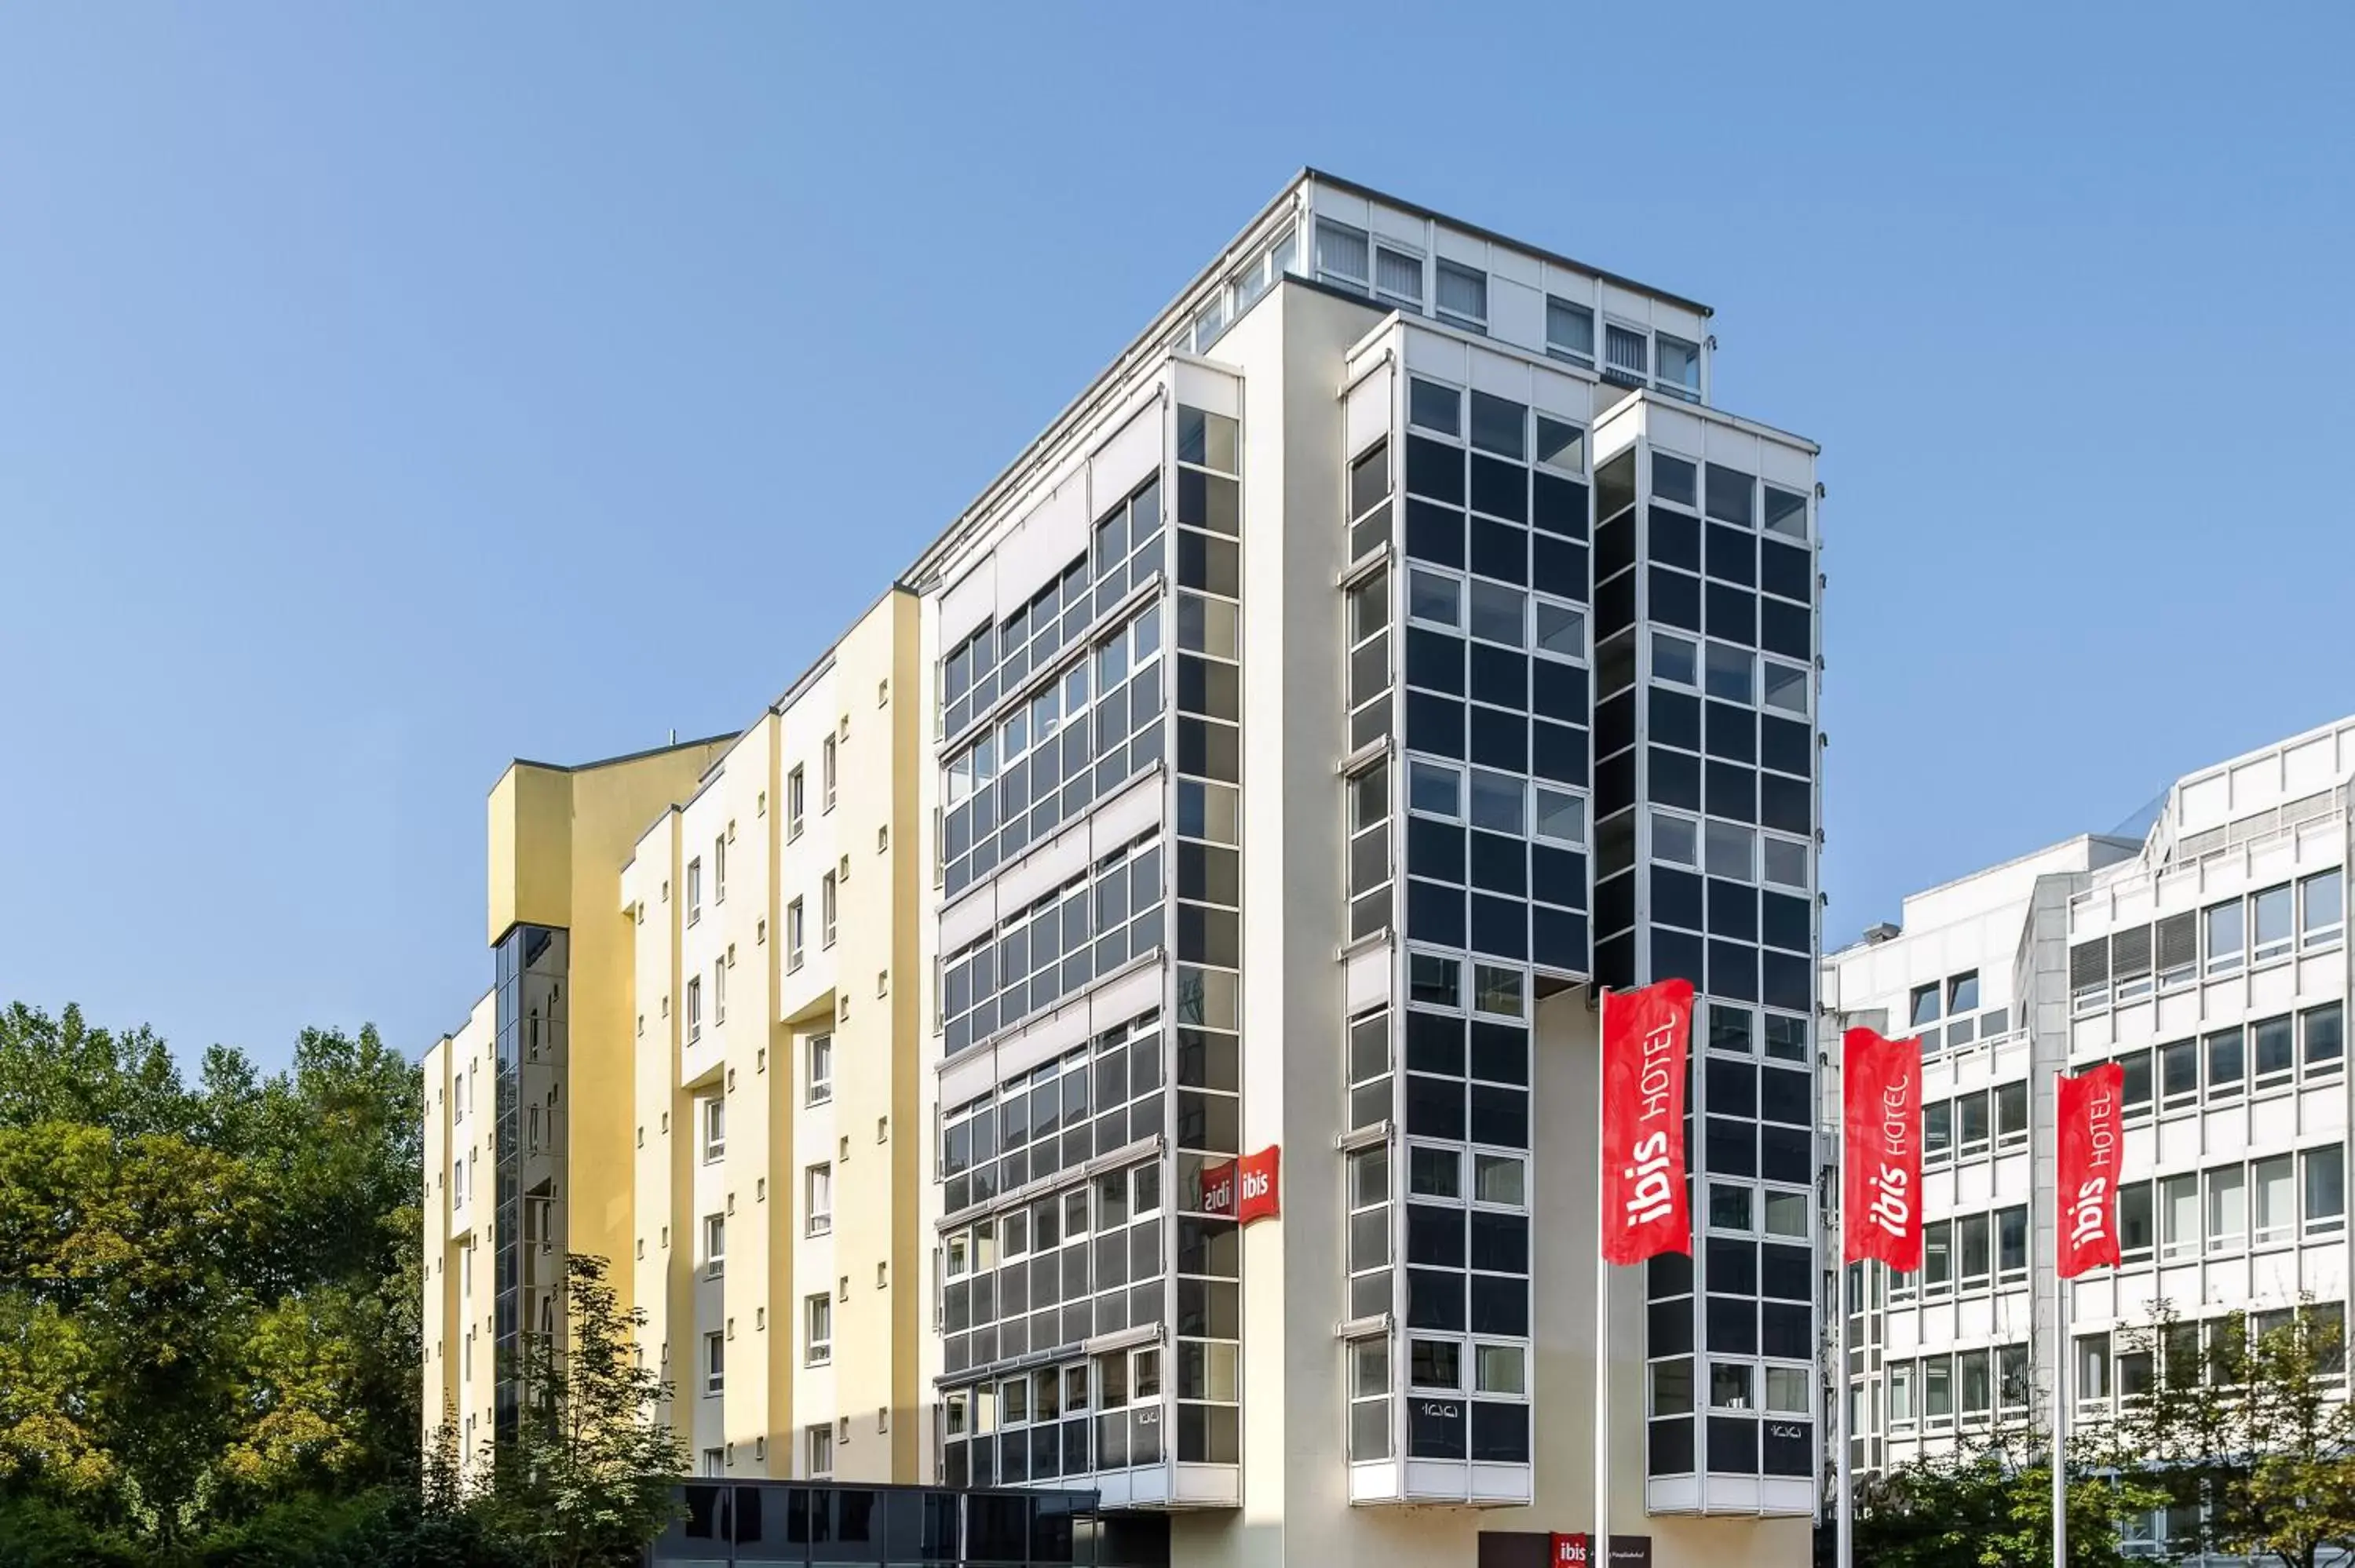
(817, 1329)
(715, 1130)
(715, 1245)
(715, 1363)
(817, 1182)
(693, 1009)
(796, 798)
(829, 769)
(829, 902)
(695, 890)
(820, 1058)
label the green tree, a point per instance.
(589, 1477)
(1988, 1504)
(2253, 1438)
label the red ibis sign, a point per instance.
(1243, 1189)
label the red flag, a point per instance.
(1881, 1082)
(1644, 1038)
(2088, 1180)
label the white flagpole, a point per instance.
(1598, 1550)
(2060, 1356)
(1844, 1529)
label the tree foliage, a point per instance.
(2251, 1433)
(1988, 1504)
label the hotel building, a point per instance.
(2209, 959)
(1393, 645)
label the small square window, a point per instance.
(1570, 331)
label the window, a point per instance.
(2326, 1190)
(2323, 1029)
(2178, 1075)
(715, 1130)
(1561, 817)
(1783, 687)
(2322, 911)
(1924, 1007)
(2228, 1208)
(1788, 1214)
(1974, 1375)
(1937, 1257)
(1434, 597)
(1679, 373)
(821, 1069)
(2011, 1115)
(1674, 659)
(1627, 354)
(1675, 840)
(825, 773)
(695, 890)
(1938, 1132)
(1732, 1385)
(1464, 295)
(817, 1321)
(793, 930)
(1569, 331)
(819, 1441)
(2226, 1064)
(2272, 918)
(1560, 445)
(695, 1008)
(2011, 1243)
(826, 910)
(1963, 993)
(818, 1191)
(1729, 1206)
(795, 793)
(719, 869)
(1434, 789)
(715, 1362)
(2178, 1211)
(1971, 1127)
(2276, 1182)
(2275, 1049)
(1370, 1405)
(1938, 1390)
(715, 1461)
(1973, 1242)
(1398, 277)
(2223, 938)
(1341, 255)
(715, 1245)
(2093, 1369)
(1901, 1394)
(2136, 1232)
(719, 990)
(1727, 673)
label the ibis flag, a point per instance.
(1646, 1035)
(2088, 1181)
(1881, 1081)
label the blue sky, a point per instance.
(387, 392)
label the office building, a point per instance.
(1392, 645)
(2209, 958)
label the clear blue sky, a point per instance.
(388, 391)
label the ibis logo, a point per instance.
(1243, 1189)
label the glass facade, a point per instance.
(1705, 845)
(528, 1246)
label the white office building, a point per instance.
(2209, 959)
(1393, 643)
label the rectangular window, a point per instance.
(1679, 373)
(821, 1069)
(2326, 1190)
(2272, 1051)
(818, 1193)
(826, 769)
(2321, 912)
(826, 910)
(715, 1362)
(2270, 913)
(2178, 1075)
(818, 1320)
(2276, 1198)
(2011, 1115)
(1569, 331)
(715, 1130)
(1938, 1132)
(1937, 1257)
(1924, 1007)
(2178, 1211)
(1627, 354)
(695, 1009)
(695, 890)
(2228, 1208)
(820, 1443)
(1398, 277)
(1464, 295)
(2323, 1039)
(1901, 1394)
(794, 799)
(1938, 1390)
(2224, 928)
(1975, 1375)
(719, 869)
(1341, 255)
(1974, 1244)
(2227, 1068)
(2135, 1238)
(719, 990)
(793, 925)
(1972, 1132)
(715, 1245)
(2093, 1369)
(2011, 1243)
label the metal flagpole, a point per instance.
(1844, 1530)
(1598, 1549)
(2060, 1376)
